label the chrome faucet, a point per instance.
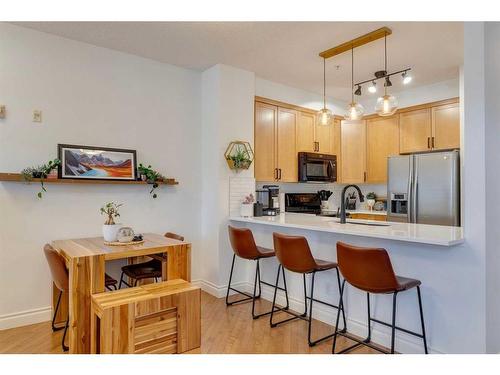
(342, 201)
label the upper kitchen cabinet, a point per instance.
(353, 151)
(275, 143)
(305, 132)
(382, 134)
(335, 139)
(446, 126)
(286, 155)
(434, 126)
(266, 118)
(415, 131)
(312, 137)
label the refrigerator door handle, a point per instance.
(414, 193)
(410, 189)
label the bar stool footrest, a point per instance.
(365, 342)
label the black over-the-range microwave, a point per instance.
(317, 167)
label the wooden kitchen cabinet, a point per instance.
(353, 151)
(335, 141)
(305, 132)
(415, 131)
(446, 127)
(312, 137)
(435, 127)
(382, 134)
(275, 143)
(266, 118)
(376, 217)
(286, 153)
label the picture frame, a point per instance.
(96, 163)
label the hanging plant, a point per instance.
(41, 172)
(239, 155)
(151, 176)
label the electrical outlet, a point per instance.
(2, 111)
(37, 115)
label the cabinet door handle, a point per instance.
(275, 173)
(432, 142)
(364, 176)
(428, 142)
(318, 146)
(279, 173)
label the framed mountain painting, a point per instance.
(96, 163)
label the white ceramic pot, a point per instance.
(246, 210)
(109, 232)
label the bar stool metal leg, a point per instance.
(338, 307)
(276, 287)
(393, 327)
(422, 319)
(64, 347)
(54, 328)
(369, 338)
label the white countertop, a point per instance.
(417, 233)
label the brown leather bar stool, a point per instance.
(294, 255)
(146, 270)
(370, 270)
(244, 246)
(60, 277)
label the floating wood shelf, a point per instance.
(17, 177)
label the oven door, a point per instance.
(318, 168)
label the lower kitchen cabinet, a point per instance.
(382, 134)
(353, 151)
(368, 217)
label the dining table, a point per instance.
(86, 262)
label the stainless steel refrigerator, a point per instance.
(424, 188)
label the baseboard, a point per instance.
(381, 335)
(221, 290)
(24, 318)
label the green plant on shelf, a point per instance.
(41, 172)
(151, 176)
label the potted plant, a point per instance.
(239, 160)
(370, 200)
(110, 228)
(151, 177)
(41, 172)
(246, 209)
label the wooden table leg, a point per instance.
(86, 277)
(178, 264)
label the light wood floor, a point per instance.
(224, 330)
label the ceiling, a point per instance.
(283, 52)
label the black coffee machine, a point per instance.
(268, 201)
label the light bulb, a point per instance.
(406, 78)
(324, 117)
(386, 105)
(373, 88)
(355, 111)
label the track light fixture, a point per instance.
(358, 90)
(388, 82)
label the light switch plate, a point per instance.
(37, 115)
(2, 111)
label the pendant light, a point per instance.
(386, 105)
(324, 116)
(355, 111)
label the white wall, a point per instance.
(492, 157)
(417, 95)
(292, 95)
(227, 115)
(89, 96)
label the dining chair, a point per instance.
(146, 270)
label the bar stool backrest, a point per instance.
(174, 236)
(57, 267)
(366, 268)
(293, 253)
(243, 243)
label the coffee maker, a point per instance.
(268, 202)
